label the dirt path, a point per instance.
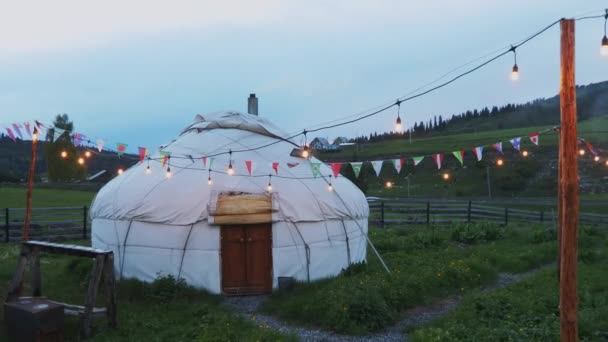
(248, 307)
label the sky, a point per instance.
(139, 71)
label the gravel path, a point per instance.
(248, 307)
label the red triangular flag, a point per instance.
(335, 168)
(292, 165)
(438, 158)
(204, 161)
(534, 138)
(10, 134)
(27, 128)
(248, 163)
(275, 167)
(142, 153)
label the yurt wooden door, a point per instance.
(246, 258)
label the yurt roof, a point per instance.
(185, 198)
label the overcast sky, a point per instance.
(138, 71)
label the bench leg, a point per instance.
(110, 289)
(86, 318)
(14, 288)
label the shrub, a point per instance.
(543, 234)
(478, 232)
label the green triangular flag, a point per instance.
(316, 169)
(459, 155)
(417, 160)
(356, 168)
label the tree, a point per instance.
(63, 169)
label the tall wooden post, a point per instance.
(30, 185)
(569, 188)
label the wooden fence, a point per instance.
(57, 223)
(385, 212)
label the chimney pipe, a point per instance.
(252, 105)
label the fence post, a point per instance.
(428, 212)
(506, 216)
(469, 213)
(542, 216)
(84, 222)
(6, 227)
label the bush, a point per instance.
(543, 234)
(468, 233)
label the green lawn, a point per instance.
(427, 263)
(14, 197)
(528, 311)
(162, 311)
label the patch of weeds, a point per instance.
(472, 233)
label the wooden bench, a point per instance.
(103, 267)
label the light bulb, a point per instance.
(330, 187)
(604, 48)
(168, 174)
(500, 162)
(87, 154)
(581, 152)
(148, 170)
(389, 184)
(596, 158)
(515, 73)
(81, 161)
(606, 162)
(64, 154)
(120, 171)
(269, 187)
(35, 135)
(446, 176)
(525, 153)
(398, 125)
(230, 169)
(209, 181)
(305, 152)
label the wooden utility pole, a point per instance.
(30, 185)
(568, 187)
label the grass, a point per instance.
(528, 311)
(14, 197)
(166, 310)
(426, 264)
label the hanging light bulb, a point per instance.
(148, 170)
(389, 184)
(515, 70)
(230, 168)
(606, 163)
(87, 154)
(80, 161)
(305, 149)
(120, 171)
(604, 47)
(168, 174)
(398, 125)
(330, 186)
(64, 154)
(500, 162)
(269, 187)
(35, 135)
(596, 158)
(581, 152)
(525, 153)
(209, 181)
(446, 176)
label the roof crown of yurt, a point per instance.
(233, 207)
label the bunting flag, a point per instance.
(534, 138)
(335, 168)
(417, 160)
(211, 162)
(249, 166)
(57, 133)
(459, 155)
(438, 158)
(516, 142)
(292, 165)
(591, 148)
(18, 130)
(316, 169)
(377, 165)
(356, 168)
(38, 124)
(478, 151)
(100, 144)
(27, 128)
(142, 153)
(78, 138)
(498, 147)
(275, 167)
(398, 163)
(121, 148)
(10, 133)
(204, 162)
(165, 156)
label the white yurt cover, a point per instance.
(161, 226)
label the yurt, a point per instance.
(230, 206)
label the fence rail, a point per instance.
(385, 212)
(55, 223)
